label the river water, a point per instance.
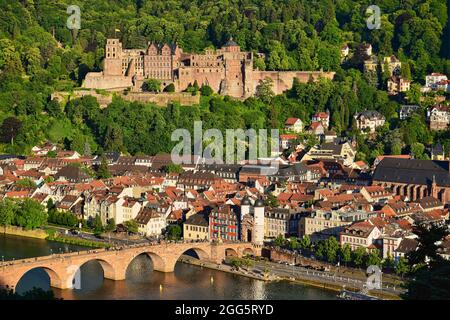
(187, 282)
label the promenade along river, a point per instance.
(187, 282)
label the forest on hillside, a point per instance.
(40, 55)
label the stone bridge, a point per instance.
(61, 268)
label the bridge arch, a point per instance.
(109, 270)
(201, 253)
(55, 278)
(230, 252)
(159, 263)
(248, 252)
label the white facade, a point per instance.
(259, 225)
(434, 78)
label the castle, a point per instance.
(228, 71)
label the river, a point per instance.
(187, 282)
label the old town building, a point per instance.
(196, 228)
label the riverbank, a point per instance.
(51, 235)
(223, 268)
(20, 232)
(335, 284)
(78, 242)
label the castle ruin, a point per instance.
(228, 70)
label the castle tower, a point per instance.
(113, 58)
(258, 232)
(245, 207)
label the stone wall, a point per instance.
(289, 257)
(97, 80)
(160, 99)
(17, 231)
(163, 98)
(283, 80)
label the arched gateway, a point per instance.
(62, 268)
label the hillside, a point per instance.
(40, 55)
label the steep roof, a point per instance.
(413, 171)
(197, 220)
(291, 121)
(407, 245)
(230, 43)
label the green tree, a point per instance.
(346, 254)
(264, 90)
(402, 267)
(152, 85)
(279, 241)
(131, 226)
(174, 232)
(293, 243)
(373, 258)
(170, 88)
(173, 168)
(97, 225)
(430, 284)
(9, 129)
(206, 90)
(389, 263)
(358, 256)
(110, 225)
(26, 183)
(429, 244)
(271, 201)
(103, 169)
(30, 214)
(305, 243)
(331, 249)
(7, 209)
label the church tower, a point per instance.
(258, 231)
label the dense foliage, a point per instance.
(27, 213)
(40, 55)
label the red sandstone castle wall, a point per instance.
(97, 80)
(283, 80)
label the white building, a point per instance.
(370, 120)
(294, 125)
(434, 78)
(150, 223)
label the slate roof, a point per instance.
(230, 43)
(413, 171)
(197, 220)
(407, 245)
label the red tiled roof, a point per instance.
(291, 121)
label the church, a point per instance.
(415, 178)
